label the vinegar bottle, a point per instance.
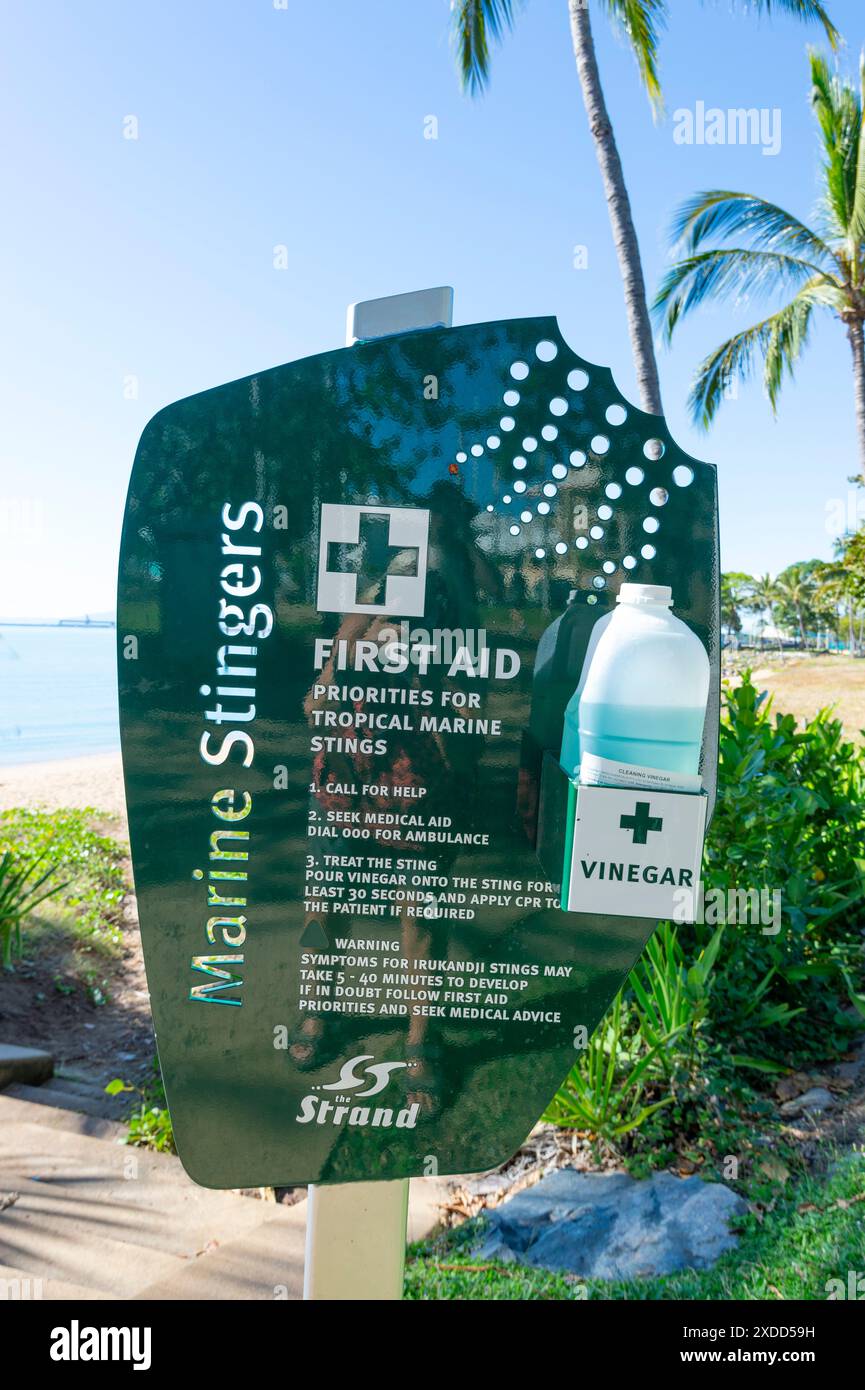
(641, 705)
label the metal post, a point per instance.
(355, 1240)
(356, 1232)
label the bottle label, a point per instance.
(609, 772)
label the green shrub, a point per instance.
(604, 1093)
(671, 998)
(710, 998)
(149, 1121)
(790, 816)
(22, 889)
(91, 863)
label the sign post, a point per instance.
(356, 1233)
(419, 676)
(355, 1240)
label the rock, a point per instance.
(811, 1103)
(25, 1064)
(612, 1226)
(791, 1086)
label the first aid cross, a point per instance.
(370, 558)
(640, 823)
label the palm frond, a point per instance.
(475, 24)
(838, 109)
(857, 219)
(643, 22)
(722, 212)
(779, 340)
(811, 11)
(731, 271)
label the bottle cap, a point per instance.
(646, 593)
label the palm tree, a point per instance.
(823, 265)
(842, 583)
(794, 592)
(735, 588)
(478, 22)
(761, 597)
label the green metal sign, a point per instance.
(341, 584)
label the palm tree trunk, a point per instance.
(619, 205)
(857, 343)
(801, 627)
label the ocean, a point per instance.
(58, 693)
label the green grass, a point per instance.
(149, 1123)
(814, 1234)
(91, 864)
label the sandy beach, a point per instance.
(95, 781)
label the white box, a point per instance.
(634, 853)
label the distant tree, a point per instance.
(735, 586)
(852, 555)
(760, 598)
(795, 588)
(841, 585)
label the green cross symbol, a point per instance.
(371, 555)
(641, 823)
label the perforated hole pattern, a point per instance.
(564, 459)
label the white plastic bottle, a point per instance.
(637, 717)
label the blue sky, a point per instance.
(303, 126)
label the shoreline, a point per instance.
(95, 779)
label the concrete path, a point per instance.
(91, 1218)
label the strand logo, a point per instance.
(372, 560)
(379, 1071)
(364, 1082)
